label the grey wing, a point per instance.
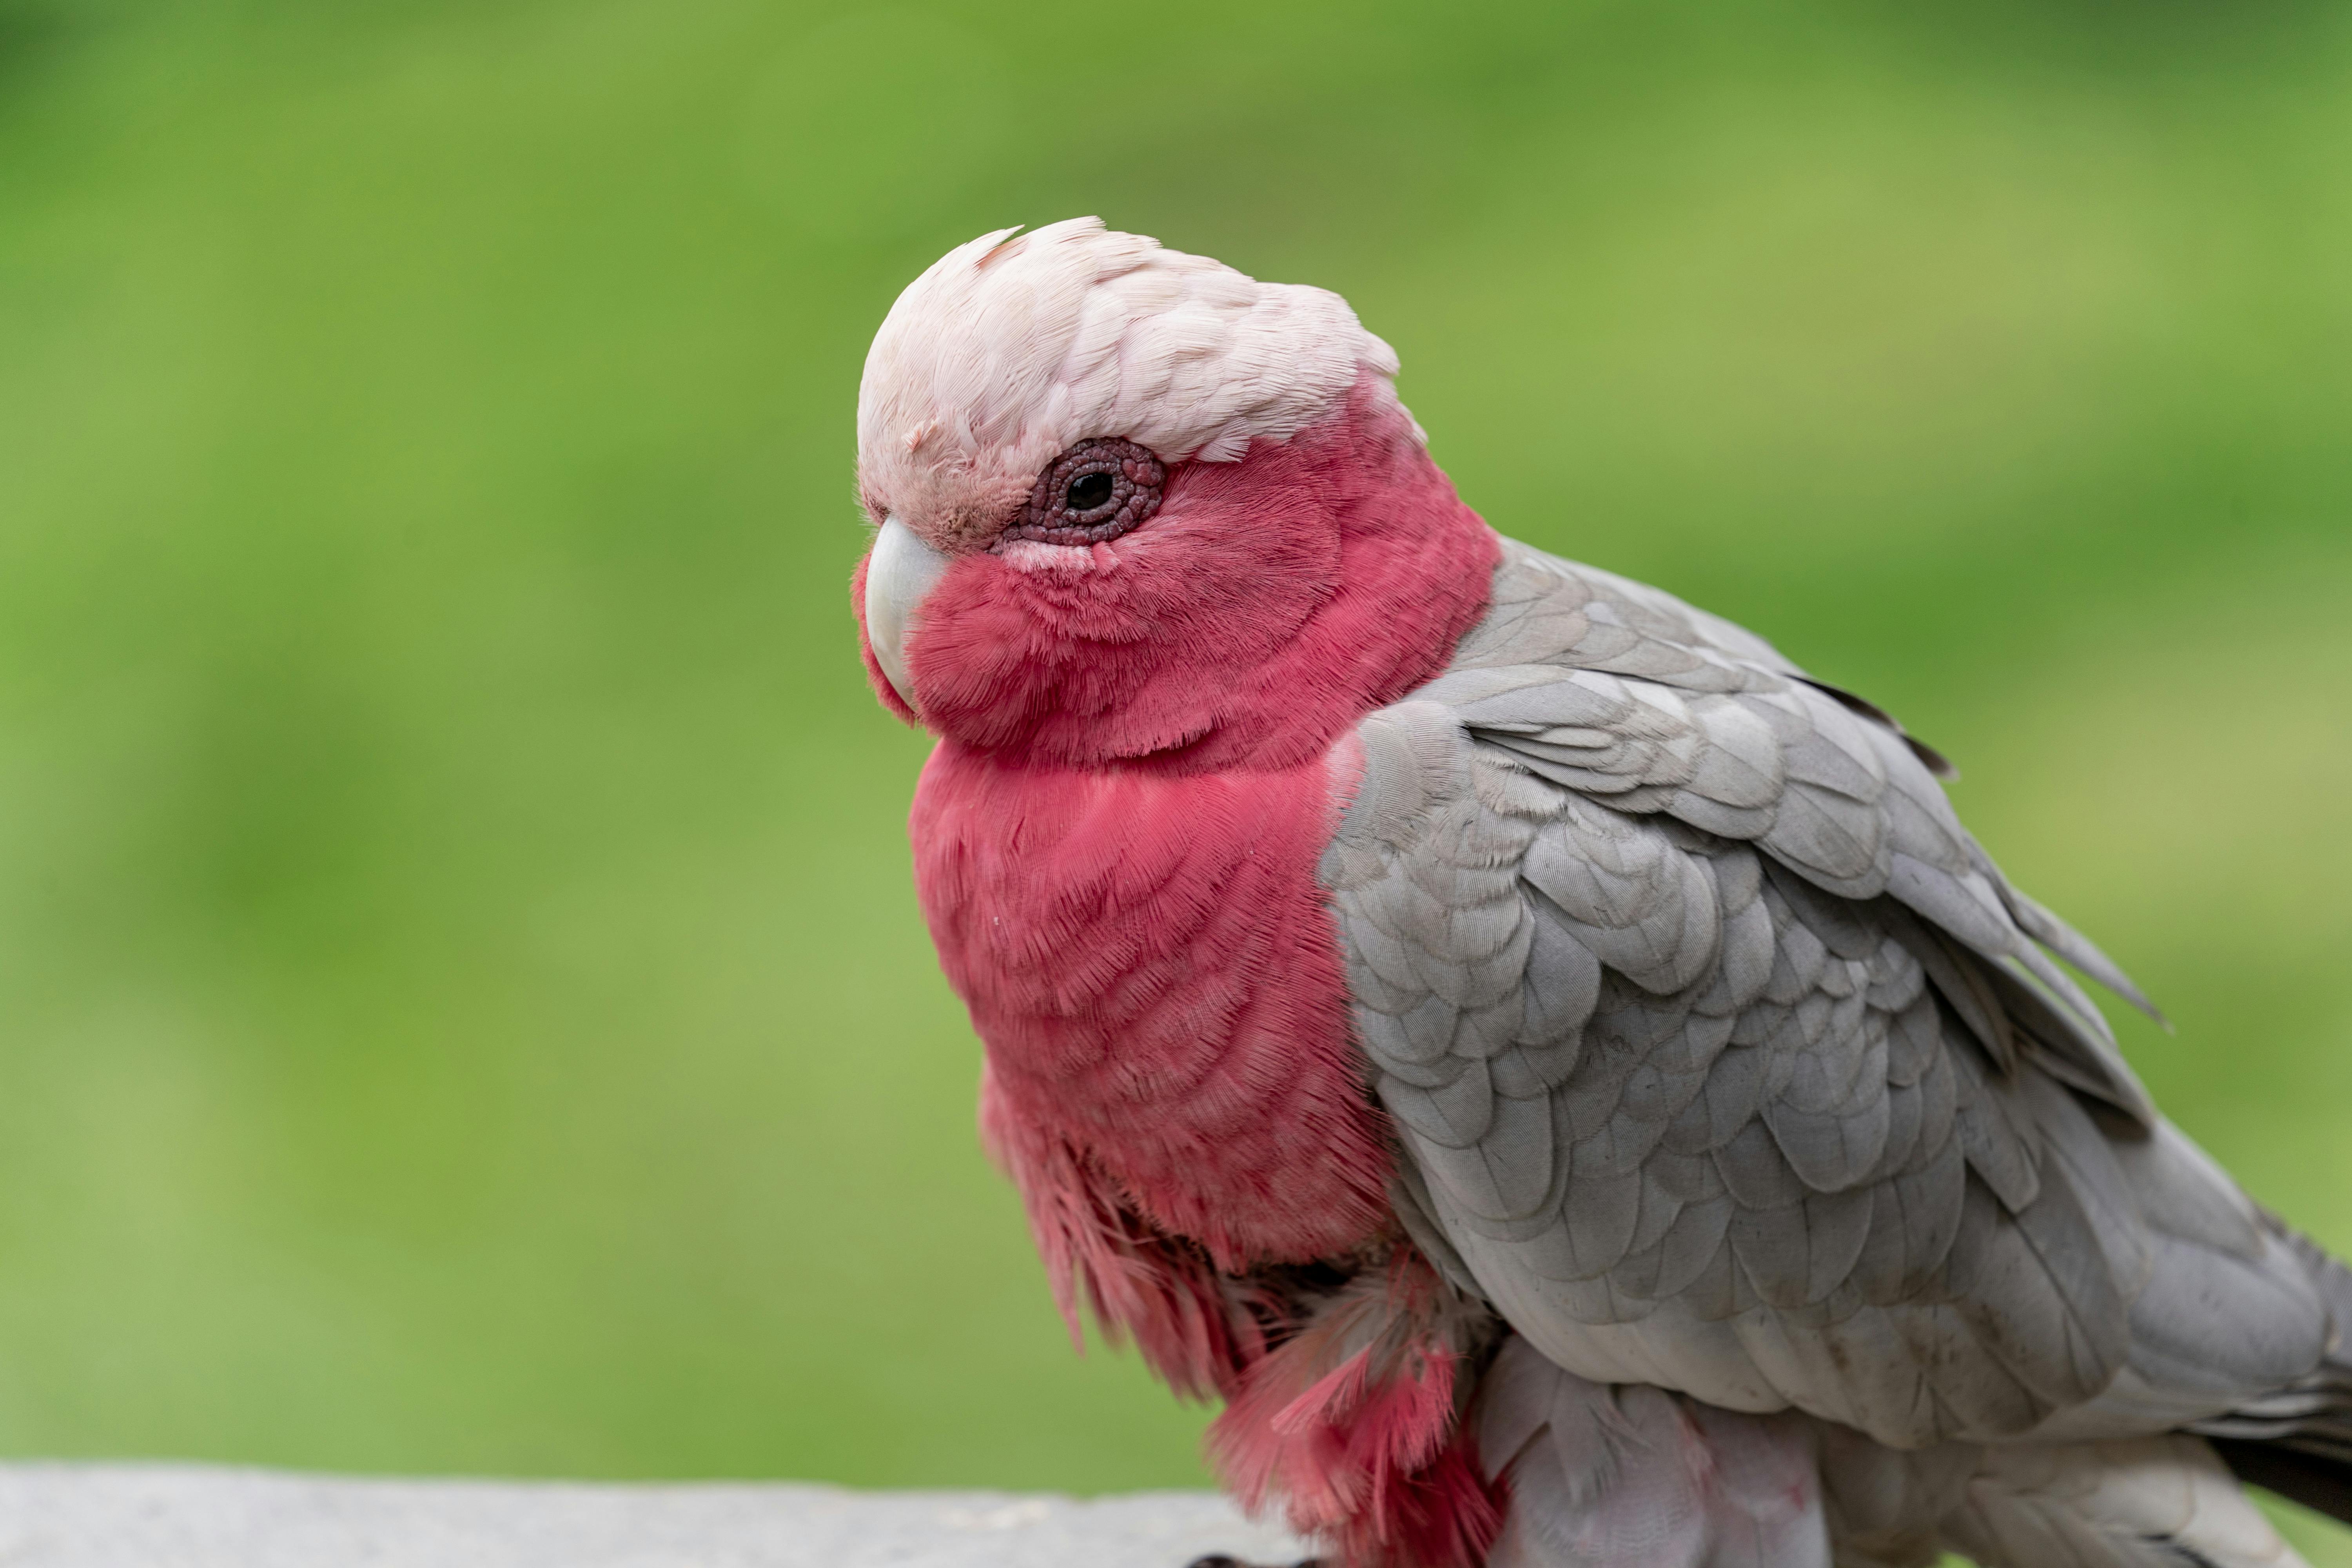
(1723, 1059)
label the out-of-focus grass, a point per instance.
(465, 1009)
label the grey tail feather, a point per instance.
(2297, 1442)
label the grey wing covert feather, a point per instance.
(1723, 1059)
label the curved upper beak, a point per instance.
(899, 571)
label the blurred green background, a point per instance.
(464, 1006)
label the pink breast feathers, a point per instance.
(1155, 972)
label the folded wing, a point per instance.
(1725, 1059)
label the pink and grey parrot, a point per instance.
(1562, 1075)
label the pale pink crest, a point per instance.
(1011, 348)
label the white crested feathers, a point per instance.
(1011, 348)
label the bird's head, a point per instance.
(1134, 508)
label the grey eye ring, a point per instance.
(1100, 488)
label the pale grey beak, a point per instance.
(900, 572)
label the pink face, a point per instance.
(1185, 615)
(1098, 491)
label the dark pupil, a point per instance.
(1088, 491)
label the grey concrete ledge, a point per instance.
(178, 1516)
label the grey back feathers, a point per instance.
(1725, 1060)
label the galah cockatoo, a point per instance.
(1562, 1075)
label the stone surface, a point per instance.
(171, 1516)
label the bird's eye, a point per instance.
(1093, 492)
